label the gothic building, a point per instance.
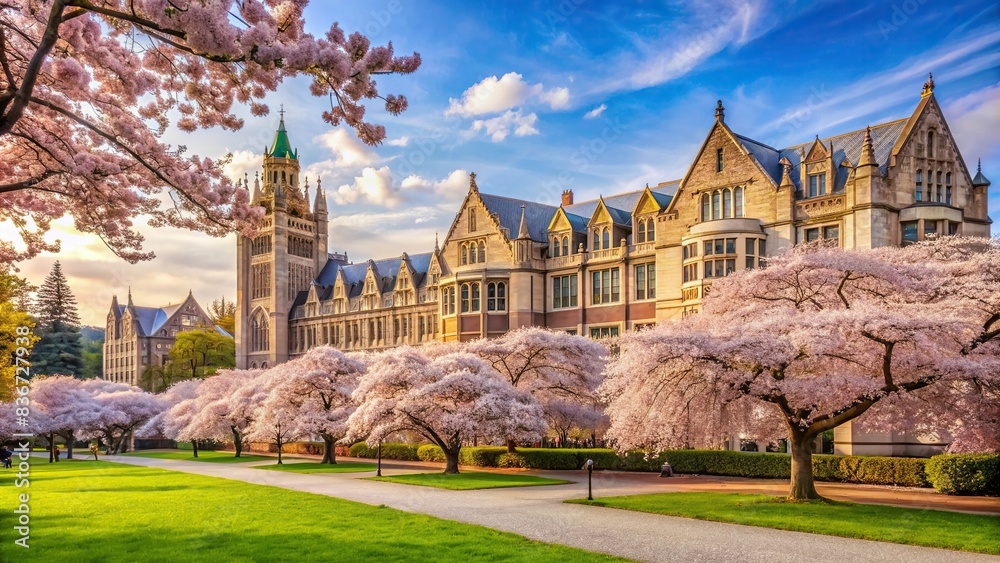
(604, 266)
(135, 336)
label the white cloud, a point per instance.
(242, 162)
(498, 128)
(400, 142)
(456, 183)
(372, 186)
(974, 121)
(348, 151)
(596, 112)
(494, 95)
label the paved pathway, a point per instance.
(539, 513)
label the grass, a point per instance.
(470, 480)
(95, 511)
(339, 467)
(207, 456)
(931, 528)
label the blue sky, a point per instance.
(597, 97)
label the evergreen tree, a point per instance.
(60, 347)
(223, 313)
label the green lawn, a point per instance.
(932, 528)
(339, 467)
(87, 511)
(470, 480)
(208, 455)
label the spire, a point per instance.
(980, 180)
(472, 182)
(522, 231)
(306, 196)
(867, 150)
(256, 187)
(319, 206)
(130, 297)
(786, 173)
(281, 147)
(437, 248)
(720, 112)
(928, 86)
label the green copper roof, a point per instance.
(281, 148)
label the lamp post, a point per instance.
(378, 472)
(590, 478)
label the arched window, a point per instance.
(716, 205)
(555, 246)
(920, 185)
(253, 365)
(650, 229)
(475, 298)
(263, 365)
(706, 212)
(738, 202)
(606, 238)
(451, 301)
(482, 252)
(597, 240)
(727, 204)
(565, 245)
(260, 340)
(465, 298)
(640, 230)
(501, 296)
(463, 258)
(930, 144)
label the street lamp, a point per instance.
(590, 478)
(378, 472)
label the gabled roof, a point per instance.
(151, 319)
(508, 212)
(354, 275)
(623, 204)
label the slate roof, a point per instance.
(620, 206)
(355, 274)
(845, 146)
(151, 319)
(508, 212)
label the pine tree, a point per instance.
(60, 348)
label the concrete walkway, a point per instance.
(539, 513)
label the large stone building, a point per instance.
(603, 266)
(136, 337)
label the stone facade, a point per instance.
(135, 336)
(600, 267)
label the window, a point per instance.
(812, 235)
(920, 185)
(947, 188)
(482, 252)
(718, 160)
(448, 301)
(597, 240)
(640, 227)
(940, 192)
(564, 291)
(475, 298)
(555, 247)
(930, 229)
(496, 296)
(470, 297)
(719, 268)
(472, 221)
(690, 273)
(832, 233)
(605, 331)
(716, 204)
(738, 202)
(930, 144)
(259, 332)
(606, 238)
(909, 231)
(730, 246)
(472, 253)
(645, 281)
(817, 185)
(606, 286)
(706, 212)
(690, 250)
(565, 245)
(465, 298)
(727, 204)
(463, 257)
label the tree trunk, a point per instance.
(451, 460)
(194, 447)
(237, 441)
(511, 447)
(69, 445)
(803, 487)
(52, 448)
(280, 443)
(329, 450)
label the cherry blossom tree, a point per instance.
(446, 400)
(562, 416)
(87, 90)
(62, 405)
(121, 409)
(558, 369)
(317, 388)
(276, 419)
(8, 421)
(893, 337)
(225, 406)
(180, 401)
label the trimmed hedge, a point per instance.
(965, 474)
(390, 450)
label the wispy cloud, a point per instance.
(596, 112)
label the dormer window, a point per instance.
(606, 238)
(718, 160)
(565, 243)
(556, 247)
(817, 185)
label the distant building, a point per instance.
(604, 266)
(136, 336)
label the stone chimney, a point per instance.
(567, 197)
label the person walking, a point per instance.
(93, 450)
(6, 456)
(57, 452)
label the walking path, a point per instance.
(539, 513)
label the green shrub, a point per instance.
(965, 474)
(390, 450)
